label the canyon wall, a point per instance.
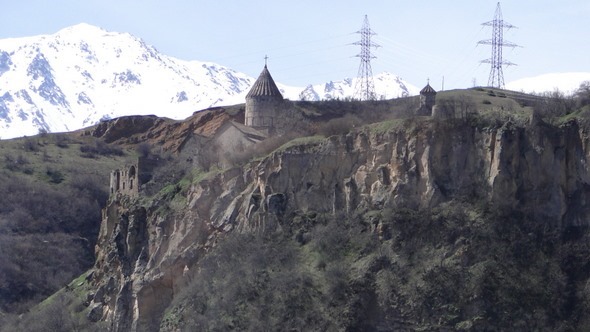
(146, 251)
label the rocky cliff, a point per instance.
(149, 249)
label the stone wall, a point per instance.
(262, 111)
(125, 180)
(128, 179)
(427, 102)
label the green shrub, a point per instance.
(100, 148)
(30, 145)
(62, 141)
(55, 176)
(19, 163)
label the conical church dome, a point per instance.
(427, 90)
(264, 86)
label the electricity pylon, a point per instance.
(498, 25)
(365, 87)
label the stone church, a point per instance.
(427, 100)
(264, 103)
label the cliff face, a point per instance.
(145, 254)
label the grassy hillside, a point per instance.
(52, 187)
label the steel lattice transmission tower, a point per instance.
(365, 87)
(498, 25)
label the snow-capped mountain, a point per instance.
(387, 86)
(82, 74)
(564, 82)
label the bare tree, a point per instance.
(582, 94)
(460, 107)
(555, 104)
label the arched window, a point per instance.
(118, 180)
(131, 176)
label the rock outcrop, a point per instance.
(144, 252)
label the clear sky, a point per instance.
(309, 41)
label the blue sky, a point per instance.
(310, 41)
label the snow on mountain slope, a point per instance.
(82, 74)
(387, 86)
(564, 82)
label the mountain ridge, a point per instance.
(81, 81)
